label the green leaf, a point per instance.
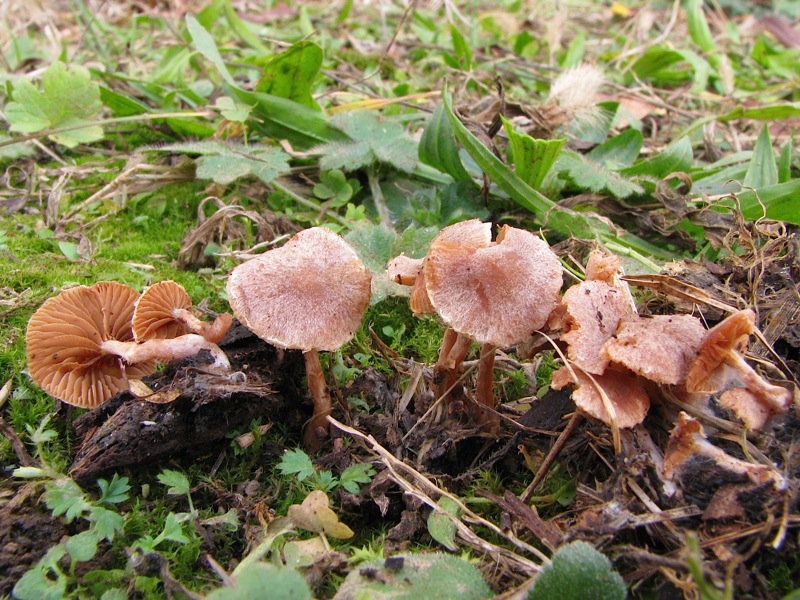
(68, 98)
(578, 572)
(355, 475)
(29, 472)
(333, 185)
(36, 585)
(121, 105)
(232, 110)
(780, 202)
(677, 157)
(178, 482)
(438, 147)
(589, 175)
(69, 249)
(372, 139)
(785, 162)
(225, 162)
(763, 170)
(291, 73)
(441, 525)
(206, 45)
(114, 491)
(65, 497)
(620, 151)
(254, 579)
(461, 48)
(532, 158)
(82, 546)
(769, 112)
(106, 523)
(296, 462)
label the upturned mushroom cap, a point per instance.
(404, 269)
(659, 348)
(310, 294)
(707, 372)
(64, 340)
(624, 391)
(495, 292)
(154, 315)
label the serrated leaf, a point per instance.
(291, 73)
(65, 497)
(68, 98)
(315, 515)
(296, 462)
(106, 523)
(441, 525)
(114, 491)
(578, 572)
(589, 175)
(372, 139)
(532, 158)
(178, 482)
(355, 475)
(762, 170)
(225, 162)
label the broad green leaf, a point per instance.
(677, 157)
(355, 475)
(225, 162)
(69, 249)
(232, 110)
(114, 491)
(68, 98)
(763, 170)
(441, 525)
(121, 105)
(65, 497)
(291, 73)
(296, 462)
(532, 158)
(36, 585)
(282, 119)
(372, 139)
(206, 45)
(334, 186)
(589, 175)
(256, 581)
(178, 484)
(82, 546)
(438, 147)
(619, 152)
(781, 202)
(106, 523)
(578, 572)
(173, 530)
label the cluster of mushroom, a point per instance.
(85, 344)
(613, 352)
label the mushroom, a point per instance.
(659, 348)
(719, 364)
(590, 312)
(164, 310)
(308, 295)
(617, 397)
(496, 293)
(80, 345)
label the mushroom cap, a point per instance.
(63, 344)
(707, 372)
(659, 348)
(309, 294)
(747, 406)
(624, 391)
(494, 292)
(602, 266)
(154, 315)
(404, 269)
(589, 314)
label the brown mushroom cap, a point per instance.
(404, 269)
(589, 314)
(659, 348)
(154, 315)
(707, 372)
(625, 392)
(64, 340)
(309, 294)
(495, 292)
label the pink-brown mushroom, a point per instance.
(308, 295)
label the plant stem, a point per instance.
(317, 428)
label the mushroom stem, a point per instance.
(455, 347)
(484, 387)
(166, 350)
(317, 428)
(213, 332)
(774, 396)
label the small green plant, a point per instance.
(578, 572)
(298, 463)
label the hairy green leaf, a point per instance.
(578, 572)
(68, 99)
(593, 176)
(65, 497)
(254, 580)
(178, 482)
(296, 462)
(441, 525)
